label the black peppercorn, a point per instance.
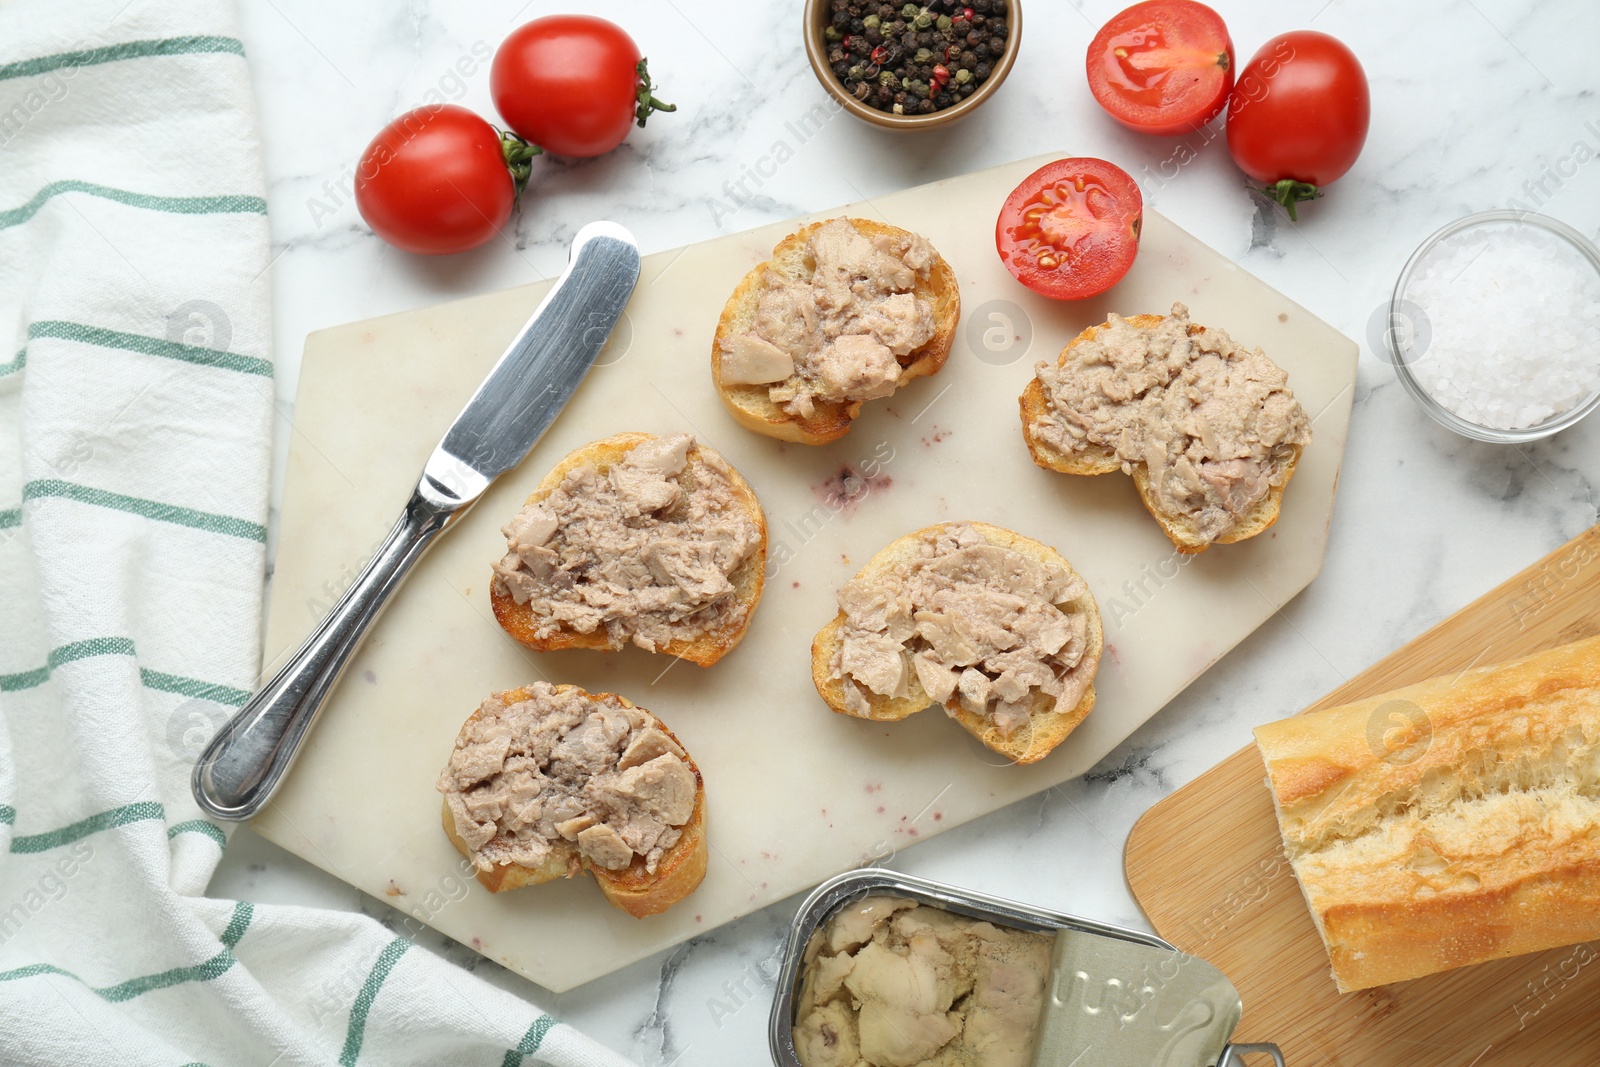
(917, 58)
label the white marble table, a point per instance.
(1472, 109)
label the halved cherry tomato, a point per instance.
(1163, 66)
(435, 181)
(1299, 115)
(1071, 229)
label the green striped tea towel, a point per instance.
(135, 421)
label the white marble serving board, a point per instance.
(795, 793)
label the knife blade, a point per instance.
(523, 393)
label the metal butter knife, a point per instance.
(243, 765)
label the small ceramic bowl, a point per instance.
(817, 14)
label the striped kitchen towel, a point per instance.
(135, 423)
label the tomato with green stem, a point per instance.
(1298, 116)
(1071, 229)
(439, 180)
(572, 84)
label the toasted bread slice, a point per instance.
(750, 404)
(703, 648)
(1046, 728)
(1180, 529)
(633, 889)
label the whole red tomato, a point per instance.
(1071, 228)
(1162, 66)
(1298, 115)
(435, 181)
(572, 84)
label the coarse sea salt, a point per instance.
(1513, 321)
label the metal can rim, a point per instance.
(846, 888)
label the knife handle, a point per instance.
(247, 759)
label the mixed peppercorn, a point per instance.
(915, 59)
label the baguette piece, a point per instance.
(706, 631)
(1203, 518)
(1024, 730)
(1449, 822)
(640, 887)
(752, 406)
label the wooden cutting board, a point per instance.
(794, 793)
(1207, 866)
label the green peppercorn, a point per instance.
(910, 11)
(924, 56)
(923, 21)
(871, 22)
(918, 88)
(963, 75)
(832, 33)
(943, 22)
(856, 72)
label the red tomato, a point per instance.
(1071, 229)
(1163, 66)
(434, 181)
(572, 84)
(1298, 116)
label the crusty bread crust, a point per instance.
(1183, 532)
(703, 649)
(750, 405)
(1450, 822)
(633, 889)
(1046, 727)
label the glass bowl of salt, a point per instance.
(1494, 327)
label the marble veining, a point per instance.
(1424, 522)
